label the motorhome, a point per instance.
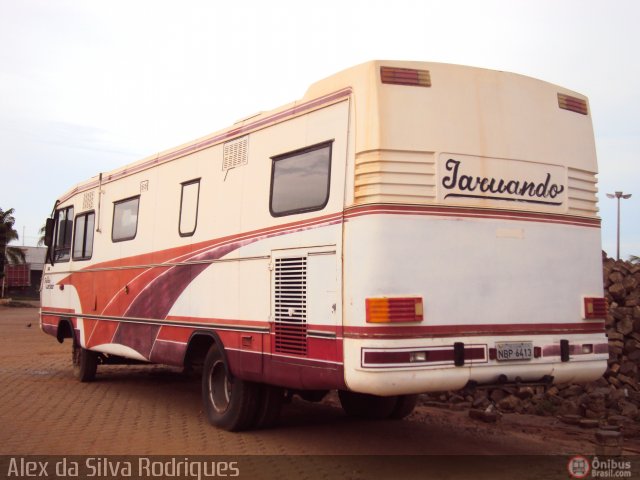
(405, 227)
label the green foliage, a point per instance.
(7, 235)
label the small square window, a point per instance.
(125, 219)
(189, 208)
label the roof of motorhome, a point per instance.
(334, 88)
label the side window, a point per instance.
(300, 180)
(64, 227)
(125, 219)
(189, 208)
(83, 236)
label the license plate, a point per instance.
(509, 351)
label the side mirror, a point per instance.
(48, 232)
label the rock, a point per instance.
(628, 409)
(616, 347)
(617, 291)
(618, 420)
(510, 403)
(629, 381)
(553, 391)
(615, 382)
(572, 391)
(629, 368)
(456, 398)
(460, 406)
(632, 300)
(630, 283)
(634, 356)
(488, 416)
(497, 394)
(524, 393)
(625, 326)
(481, 403)
(616, 277)
(630, 345)
(617, 395)
(589, 423)
(605, 436)
(570, 407)
(613, 335)
(595, 405)
(570, 419)
(608, 442)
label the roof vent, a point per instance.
(567, 102)
(236, 153)
(405, 76)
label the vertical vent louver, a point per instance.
(236, 153)
(290, 305)
(573, 104)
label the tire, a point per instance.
(404, 406)
(230, 403)
(362, 405)
(269, 406)
(85, 363)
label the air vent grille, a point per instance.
(290, 305)
(236, 153)
(87, 201)
(578, 105)
(405, 76)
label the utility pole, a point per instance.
(618, 196)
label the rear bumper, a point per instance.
(407, 366)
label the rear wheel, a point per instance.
(363, 405)
(85, 363)
(269, 406)
(404, 406)
(230, 403)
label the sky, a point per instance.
(88, 86)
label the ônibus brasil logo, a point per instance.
(579, 467)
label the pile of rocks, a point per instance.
(613, 399)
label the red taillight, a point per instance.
(595, 308)
(386, 310)
(405, 76)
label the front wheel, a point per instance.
(85, 363)
(230, 403)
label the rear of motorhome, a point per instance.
(405, 227)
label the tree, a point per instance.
(42, 233)
(7, 235)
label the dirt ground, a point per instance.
(155, 410)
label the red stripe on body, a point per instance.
(391, 332)
(440, 211)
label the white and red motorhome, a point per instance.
(405, 227)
